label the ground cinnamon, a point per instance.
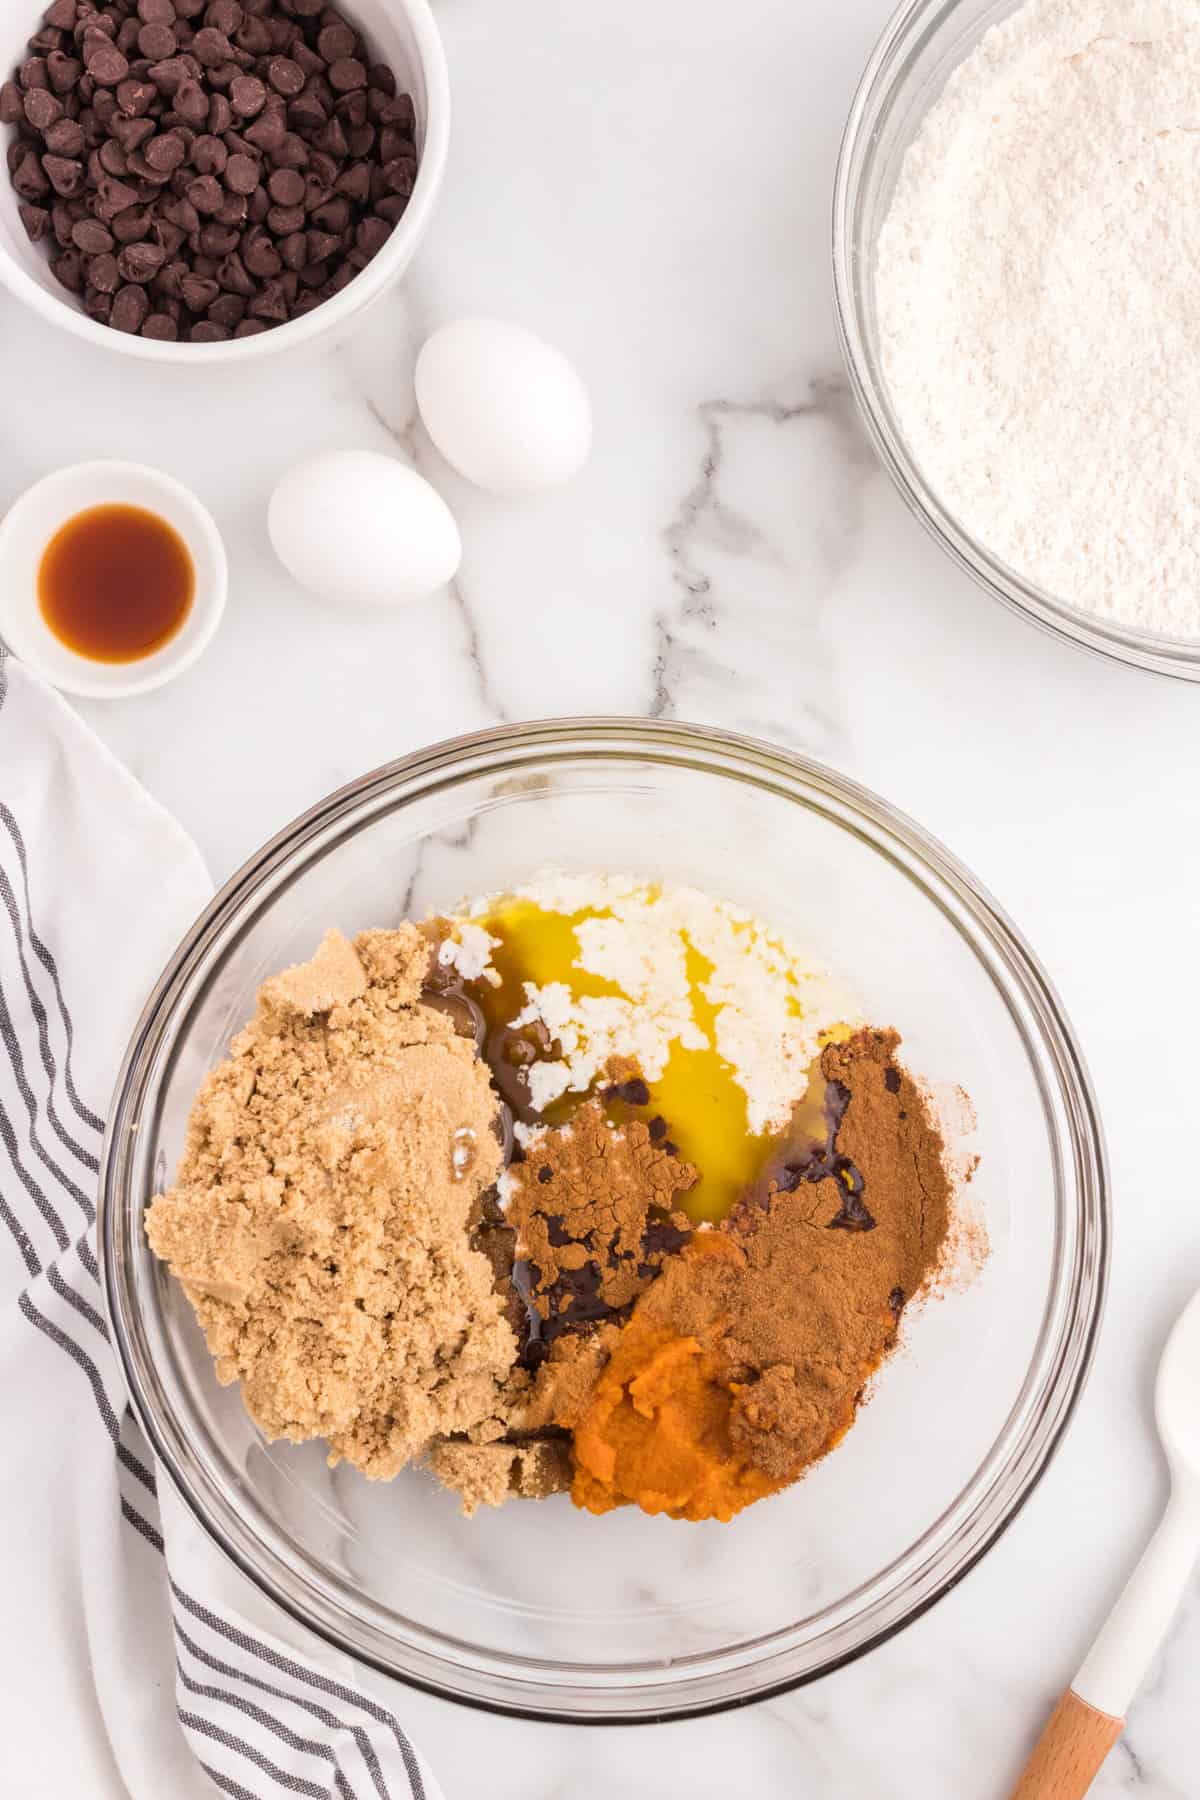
(745, 1361)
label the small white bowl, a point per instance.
(32, 521)
(401, 33)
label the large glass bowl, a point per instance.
(538, 1609)
(921, 46)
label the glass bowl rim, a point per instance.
(1151, 652)
(1070, 1323)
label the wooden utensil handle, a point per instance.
(1067, 1756)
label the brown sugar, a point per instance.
(745, 1361)
(318, 1220)
(490, 1474)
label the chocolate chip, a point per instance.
(64, 173)
(224, 15)
(35, 219)
(254, 36)
(372, 234)
(211, 48)
(286, 187)
(219, 240)
(161, 326)
(270, 304)
(157, 42)
(247, 96)
(209, 155)
(205, 194)
(42, 108)
(285, 76)
(227, 310)
(392, 207)
(383, 81)
(233, 277)
(63, 222)
(205, 332)
(267, 132)
(130, 225)
(169, 75)
(354, 182)
(156, 12)
(333, 216)
(347, 74)
(259, 253)
(68, 269)
(62, 14)
(307, 112)
(63, 71)
(12, 104)
(334, 41)
(140, 262)
(135, 97)
(102, 274)
(332, 139)
(168, 237)
(241, 174)
(285, 220)
(91, 236)
(291, 152)
(165, 152)
(107, 66)
(220, 114)
(233, 210)
(32, 73)
(198, 293)
(322, 244)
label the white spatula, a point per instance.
(1089, 1718)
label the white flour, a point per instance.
(1038, 293)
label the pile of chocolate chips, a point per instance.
(206, 169)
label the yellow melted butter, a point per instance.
(697, 1093)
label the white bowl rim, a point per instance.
(208, 602)
(367, 285)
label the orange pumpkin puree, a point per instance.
(657, 1431)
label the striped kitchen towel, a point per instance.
(133, 1659)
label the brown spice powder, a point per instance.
(746, 1359)
(592, 1209)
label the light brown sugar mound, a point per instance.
(319, 1216)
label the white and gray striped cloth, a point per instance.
(134, 1661)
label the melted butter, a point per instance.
(697, 1094)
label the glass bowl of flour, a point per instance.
(1016, 230)
(540, 1609)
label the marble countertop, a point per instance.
(648, 186)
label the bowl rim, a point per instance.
(1017, 1459)
(333, 313)
(1148, 651)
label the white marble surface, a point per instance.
(648, 184)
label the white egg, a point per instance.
(355, 526)
(505, 408)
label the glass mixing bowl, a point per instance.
(920, 47)
(538, 1609)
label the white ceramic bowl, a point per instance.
(401, 33)
(27, 529)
